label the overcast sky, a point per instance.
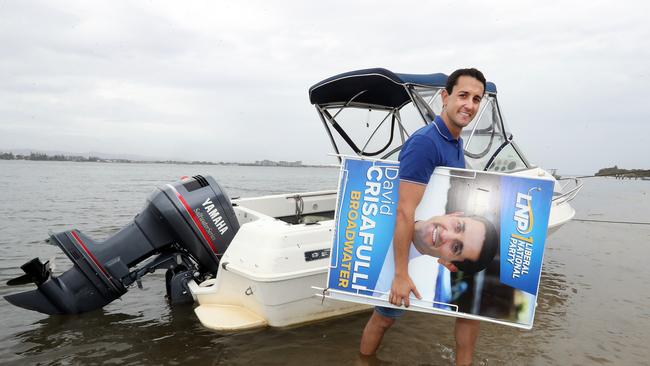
(228, 80)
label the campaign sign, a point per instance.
(525, 208)
(491, 226)
(367, 200)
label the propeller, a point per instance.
(35, 272)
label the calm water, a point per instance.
(593, 302)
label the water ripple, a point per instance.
(592, 303)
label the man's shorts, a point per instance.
(389, 312)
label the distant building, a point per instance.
(290, 163)
(266, 163)
(283, 163)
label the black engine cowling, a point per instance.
(185, 227)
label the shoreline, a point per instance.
(82, 159)
(177, 163)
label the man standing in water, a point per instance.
(437, 144)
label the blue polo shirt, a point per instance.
(429, 147)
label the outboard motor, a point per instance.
(187, 225)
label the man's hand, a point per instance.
(450, 266)
(401, 290)
(410, 195)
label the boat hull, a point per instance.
(270, 271)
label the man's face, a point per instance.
(463, 103)
(450, 237)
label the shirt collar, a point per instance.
(443, 130)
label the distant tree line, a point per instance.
(78, 158)
(45, 157)
(58, 157)
(617, 172)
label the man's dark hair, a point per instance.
(488, 251)
(453, 78)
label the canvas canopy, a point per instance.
(375, 87)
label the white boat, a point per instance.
(281, 250)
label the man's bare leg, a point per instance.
(466, 333)
(373, 333)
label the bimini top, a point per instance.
(378, 87)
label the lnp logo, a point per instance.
(524, 211)
(524, 219)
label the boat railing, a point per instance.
(299, 215)
(569, 190)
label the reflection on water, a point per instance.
(592, 304)
(103, 337)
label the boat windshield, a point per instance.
(367, 130)
(488, 144)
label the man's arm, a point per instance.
(410, 195)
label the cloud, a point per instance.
(224, 80)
